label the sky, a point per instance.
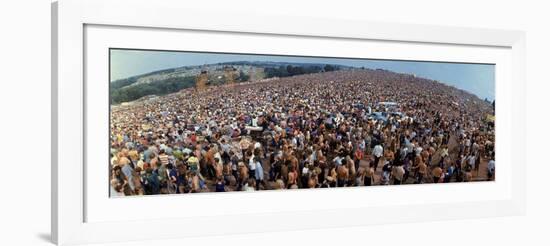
(478, 79)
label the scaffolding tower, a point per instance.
(251, 74)
(230, 73)
(201, 81)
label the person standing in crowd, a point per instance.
(378, 151)
(258, 172)
(491, 168)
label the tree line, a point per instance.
(162, 87)
(289, 70)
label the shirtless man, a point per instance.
(228, 175)
(343, 175)
(436, 174)
(350, 165)
(284, 171)
(360, 177)
(397, 174)
(195, 184)
(243, 175)
(294, 162)
(312, 181)
(292, 177)
(369, 176)
(218, 167)
(332, 177)
(422, 170)
(468, 173)
(209, 161)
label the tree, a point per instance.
(329, 68)
(243, 77)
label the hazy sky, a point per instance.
(478, 79)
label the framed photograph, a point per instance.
(177, 121)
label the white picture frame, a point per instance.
(75, 28)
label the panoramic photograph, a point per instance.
(192, 122)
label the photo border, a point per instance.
(68, 20)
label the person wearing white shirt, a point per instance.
(252, 164)
(491, 168)
(250, 185)
(472, 161)
(467, 143)
(259, 172)
(444, 152)
(338, 160)
(378, 151)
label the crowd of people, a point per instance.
(344, 128)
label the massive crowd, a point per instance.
(333, 129)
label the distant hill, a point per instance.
(171, 80)
(278, 64)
